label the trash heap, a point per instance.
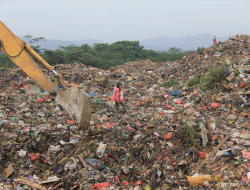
(177, 133)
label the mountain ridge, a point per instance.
(162, 43)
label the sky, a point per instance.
(114, 20)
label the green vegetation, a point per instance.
(237, 72)
(101, 55)
(194, 81)
(200, 50)
(214, 77)
(5, 62)
(170, 83)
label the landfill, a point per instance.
(173, 136)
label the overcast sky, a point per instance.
(113, 20)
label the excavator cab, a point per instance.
(75, 101)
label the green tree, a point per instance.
(68, 48)
(174, 50)
(54, 57)
(101, 47)
(83, 57)
(200, 50)
(28, 37)
(37, 40)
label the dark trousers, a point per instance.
(117, 106)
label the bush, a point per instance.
(169, 83)
(194, 81)
(213, 78)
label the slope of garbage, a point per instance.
(173, 136)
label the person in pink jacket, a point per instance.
(214, 40)
(117, 97)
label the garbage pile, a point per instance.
(173, 136)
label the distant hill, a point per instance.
(53, 44)
(185, 42)
(156, 43)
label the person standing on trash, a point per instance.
(214, 40)
(117, 97)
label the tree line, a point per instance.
(100, 55)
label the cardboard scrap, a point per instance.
(26, 181)
(51, 180)
(8, 171)
(198, 181)
(81, 157)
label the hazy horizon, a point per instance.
(112, 21)
(135, 39)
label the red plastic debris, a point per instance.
(71, 122)
(26, 129)
(125, 183)
(108, 125)
(242, 85)
(169, 160)
(130, 128)
(244, 179)
(202, 154)
(214, 105)
(104, 184)
(138, 183)
(168, 106)
(167, 136)
(137, 104)
(41, 100)
(178, 101)
(117, 179)
(33, 158)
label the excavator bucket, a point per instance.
(75, 101)
(78, 105)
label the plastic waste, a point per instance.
(125, 183)
(175, 93)
(167, 136)
(97, 185)
(138, 183)
(198, 181)
(246, 155)
(222, 153)
(95, 163)
(214, 105)
(22, 153)
(54, 148)
(227, 72)
(202, 154)
(242, 85)
(100, 150)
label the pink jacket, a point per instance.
(117, 95)
(215, 41)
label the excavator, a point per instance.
(75, 101)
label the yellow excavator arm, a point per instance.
(75, 101)
(16, 50)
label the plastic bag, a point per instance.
(104, 184)
(175, 93)
(93, 162)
